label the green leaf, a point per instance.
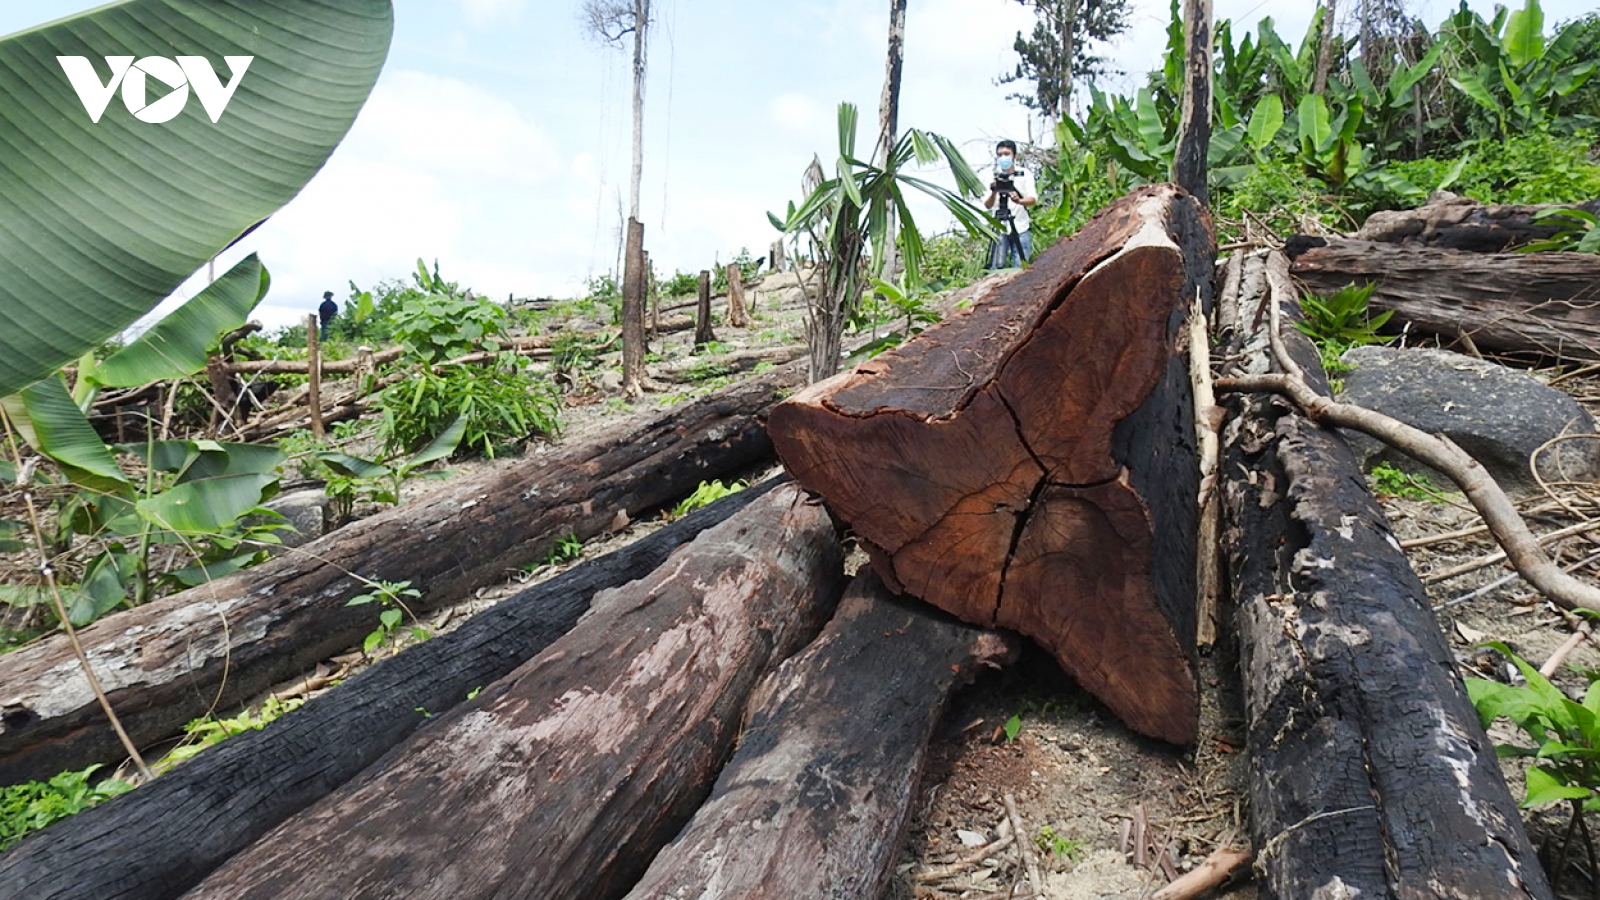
(442, 446)
(1544, 788)
(1012, 728)
(391, 617)
(1405, 79)
(101, 220)
(201, 573)
(104, 587)
(208, 505)
(52, 424)
(176, 346)
(353, 466)
(1265, 121)
(1523, 41)
(1315, 132)
(217, 460)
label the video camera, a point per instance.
(1003, 186)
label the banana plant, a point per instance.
(102, 219)
(1515, 77)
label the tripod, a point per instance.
(1010, 242)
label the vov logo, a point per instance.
(179, 75)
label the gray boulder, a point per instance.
(306, 510)
(1499, 415)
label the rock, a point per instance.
(306, 510)
(1499, 415)
(609, 381)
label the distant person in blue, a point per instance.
(1013, 189)
(326, 312)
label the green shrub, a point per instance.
(28, 807)
(435, 327)
(1278, 194)
(503, 407)
(706, 494)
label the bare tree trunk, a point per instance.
(633, 288)
(314, 367)
(1194, 130)
(633, 311)
(1325, 50)
(702, 313)
(1066, 28)
(736, 316)
(889, 113)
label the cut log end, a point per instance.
(983, 466)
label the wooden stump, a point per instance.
(1545, 304)
(160, 840)
(1029, 463)
(564, 778)
(816, 800)
(736, 316)
(1370, 775)
(702, 313)
(168, 662)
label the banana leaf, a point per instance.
(101, 220)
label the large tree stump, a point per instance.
(163, 664)
(1370, 775)
(159, 841)
(1546, 304)
(1029, 463)
(564, 778)
(1460, 223)
(817, 797)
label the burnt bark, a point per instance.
(164, 663)
(564, 778)
(1194, 128)
(160, 840)
(1544, 304)
(816, 800)
(1029, 463)
(1463, 224)
(1370, 775)
(702, 314)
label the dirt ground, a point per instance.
(1101, 812)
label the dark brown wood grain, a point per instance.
(816, 799)
(163, 664)
(1370, 775)
(1463, 224)
(564, 778)
(1544, 304)
(979, 461)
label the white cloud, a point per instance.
(797, 113)
(482, 13)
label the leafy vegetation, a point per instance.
(706, 494)
(1565, 735)
(1339, 321)
(567, 549)
(390, 596)
(204, 733)
(1059, 845)
(30, 806)
(1390, 480)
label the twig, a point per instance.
(961, 865)
(1562, 652)
(1477, 592)
(1213, 871)
(1489, 559)
(1023, 847)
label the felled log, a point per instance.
(167, 662)
(1460, 223)
(817, 797)
(564, 778)
(1540, 303)
(1029, 463)
(159, 841)
(1370, 775)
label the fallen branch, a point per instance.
(1213, 871)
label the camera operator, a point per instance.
(1013, 189)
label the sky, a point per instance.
(497, 139)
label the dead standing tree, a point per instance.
(610, 21)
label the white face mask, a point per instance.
(1005, 163)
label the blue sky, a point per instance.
(497, 139)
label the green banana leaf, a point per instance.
(1523, 41)
(1266, 120)
(208, 505)
(176, 346)
(45, 416)
(101, 220)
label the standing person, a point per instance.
(1013, 188)
(326, 312)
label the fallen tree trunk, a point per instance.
(1370, 774)
(168, 662)
(564, 778)
(817, 797)
(1546, 304)
(1461, 223)
(160, 840)
(357, 363)
(1020, 464)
